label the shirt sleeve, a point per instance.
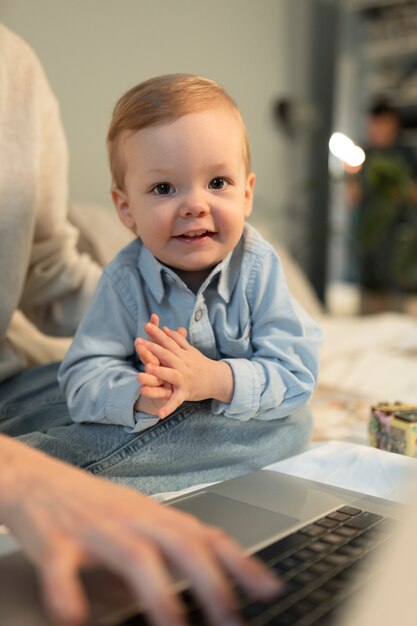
(98, 375)
(281, 373)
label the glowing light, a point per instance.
(344, 149)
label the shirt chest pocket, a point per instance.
(235, 345)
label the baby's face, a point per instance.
(187, 192)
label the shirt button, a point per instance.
(198, 315)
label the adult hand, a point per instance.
(66, 519)
(192, 375)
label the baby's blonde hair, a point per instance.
(159, 100)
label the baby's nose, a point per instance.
(194, 205)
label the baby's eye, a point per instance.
(218, 183)
(163, 189)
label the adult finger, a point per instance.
(248, 571)
(141, 566)
(205, 553)
(192, 556)
(61, 588)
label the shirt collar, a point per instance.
(154, 273)
(229, 270)
(151, 271)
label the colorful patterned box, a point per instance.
(393, 427)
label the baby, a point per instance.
(193, 348)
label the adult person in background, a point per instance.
(64, 518)
(383, 196)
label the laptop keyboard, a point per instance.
(321, 565)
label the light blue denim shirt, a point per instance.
(243, 314)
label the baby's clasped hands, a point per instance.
(176, 372)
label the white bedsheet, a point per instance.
(374, 357)
(355, 467)
(348, 465)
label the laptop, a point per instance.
(309, 523)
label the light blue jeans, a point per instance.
(191, 446)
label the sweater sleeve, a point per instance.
(46, 276)
(60, 281)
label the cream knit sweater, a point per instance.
(41, 272)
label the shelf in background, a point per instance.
(390, 49)
(366, 5)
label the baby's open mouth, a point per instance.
(195, 234)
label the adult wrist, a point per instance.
(13, 464)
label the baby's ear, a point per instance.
(121, 202)
(249, 187)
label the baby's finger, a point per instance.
(178, 336)
(163, 355)
(154, 319)
(162, 339)
(156, 393)
(165, 374)
(149, 379)
(144, 354)
(176, 399)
